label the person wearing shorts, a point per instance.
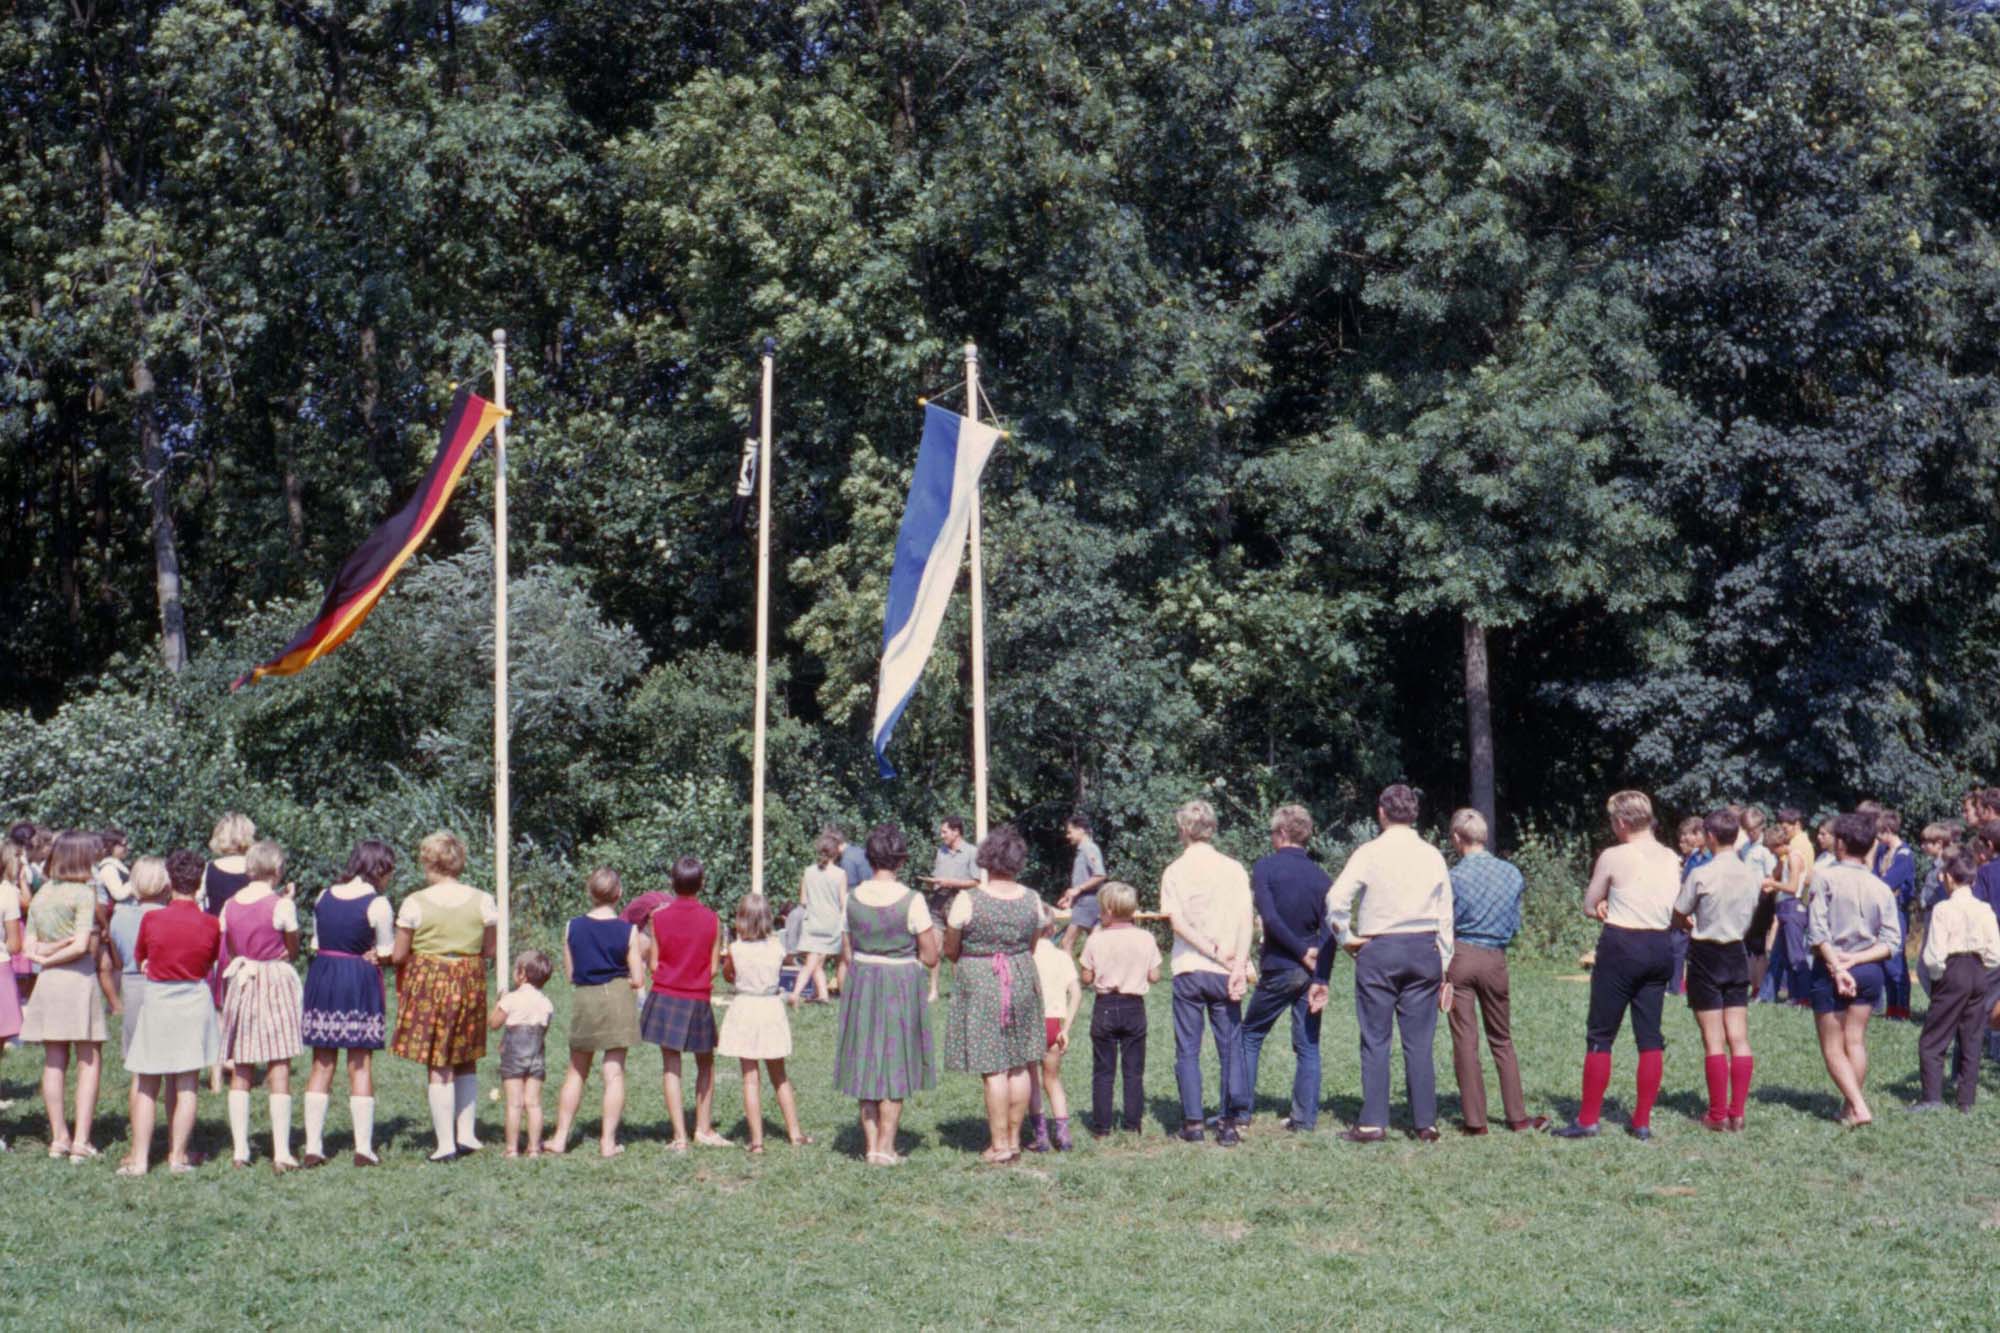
(1086, 876)
(1717, 901)
(1852, 927)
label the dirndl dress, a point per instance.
(995, 1023)
(344, 996)
(261, 998)
(177, 1031)
(756, 1027)
(884, 1050)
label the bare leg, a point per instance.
(1833, 1049)
(1854, 1033)
(1051, 1080)
(753, 1103)
(812, 972)
(704, 1095)
(89, 1068)
(1713, 1039)
(933, 970)
(55, 1066)
(1017, 1108)
(533, 1092)
(319, 1078)
(361, 1073)
(889, 1117)
(841, 972)
(510, 1146)
(670, 1083)
(570, 1099)
(1736, 1030)
(145, 1101)
(871, 1119)
(182, 1125)
(614, 1103)
(787, 1102)
(996, 1115)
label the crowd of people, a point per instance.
(197, 957)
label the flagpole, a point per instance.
(763, 624)
(502, 836)
(978, 619)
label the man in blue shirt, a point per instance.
(1086, 876)
(1486, 915)
(1288, 891)
(854, 860)
(1895, 865)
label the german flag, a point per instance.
(364, 576)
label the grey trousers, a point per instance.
(1396, 979)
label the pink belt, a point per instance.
(1005, 974)
(341, 953)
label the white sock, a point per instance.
(281, 1126)
(362, 1109)
(239, 1123)
(440, 1098)
(316, 1103)
(465, 1095)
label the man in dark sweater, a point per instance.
(1288, 890)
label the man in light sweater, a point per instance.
(1391, 908)
(1205, 897)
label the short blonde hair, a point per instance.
(441, 855)
(1196, 821)
(233, 835)
(1468, 825)
(264, 861)
(605, 887)
(1293, 824)
(1119, 900)
(1629, 809)
(149, 877)
(753, 918)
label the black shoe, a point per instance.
(1227, 1137)
(1191, 1134)
(1097, 1133)
(1576, 1131)
(1291, 1126)
(1643, 1133)
(1532, 1125)
(1358, 1135)
(1428, 1134)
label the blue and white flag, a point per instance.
(929, 548)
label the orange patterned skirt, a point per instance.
(440, 1010)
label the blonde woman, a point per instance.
(66, 1011)
(823, 892)
(118, 963)
(444, 944)
(223, 878)
(263, 1002)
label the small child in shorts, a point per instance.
(524, 1014)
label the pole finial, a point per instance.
(971, 350)
(770, 346)
(499, 337)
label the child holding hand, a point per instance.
(523, 1016)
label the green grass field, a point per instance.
(1794, 1222)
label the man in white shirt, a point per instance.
(1205, 897)
(1391, 908)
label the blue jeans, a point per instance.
(1199, 997)
(1276, 992)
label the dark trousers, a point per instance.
(1199, 997)
(1277, 992)
(1117, 1038)
(1480, 974)
(1632, 971)
(1396, 980)
(1958, 1009)
(1896, 968)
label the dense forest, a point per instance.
(1580, 392)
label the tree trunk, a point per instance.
(166, 559)
(1479, 721)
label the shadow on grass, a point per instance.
(1825, 1105)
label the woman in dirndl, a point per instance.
(354, 932)
(995, 1027)
(444, 944)
(261, 1000)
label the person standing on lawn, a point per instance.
(354, 933)
(444, 943)
(1288, 891)
(1086, 877)
(1632, 891)
(1120, 964)
(1391, 910)
(1205, 898)
(682, 948)
(1895, 865)
(1486, 915)
(953, 870)
(597, 957)
(1716, 903)
(823, 892)
(1961, 950)
(177, 1034)
(1852, 931)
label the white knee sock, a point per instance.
(465, 1097)
(316, 1104)
(239, 1123)
(281, 1126)
(362, 1109)
(440, 1098)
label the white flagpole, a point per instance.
(978, 620)
(763, 625)
(502, 836)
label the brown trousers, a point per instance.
(1479, 974)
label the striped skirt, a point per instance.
(262, 1001)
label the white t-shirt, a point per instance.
(284, 917)
(447, 893)
(527, 1007)
(883, 892)
(1062, 989)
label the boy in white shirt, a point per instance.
(1061, 994)
(1961, 947)
(524, 1013)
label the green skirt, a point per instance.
(604, 1018)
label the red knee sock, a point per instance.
(1651, 1065)
(1739, 1084)
(1596, 1078)
(1716, 1068)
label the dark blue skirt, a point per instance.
(343, 1005)
(678, 1024)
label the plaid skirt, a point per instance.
(678, 1024)
(440, 1010)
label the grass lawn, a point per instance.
(1794, 1222)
